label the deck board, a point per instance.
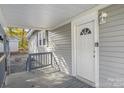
(44, 78)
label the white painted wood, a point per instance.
(90, 16)
(41, 15)
(32, 44)
(13, 45)
(85, 52)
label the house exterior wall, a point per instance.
(32, 44)
(35, 42)
(112, 47)
(42, 41)
(13, 46)
(60, 44)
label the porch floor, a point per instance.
(47, 77)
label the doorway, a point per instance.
(85, 66)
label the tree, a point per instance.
(20, 34)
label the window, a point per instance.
(44, 41)
(85, 31)
(40, 42)
(42, 38)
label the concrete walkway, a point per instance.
(47, 77)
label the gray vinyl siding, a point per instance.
(112, 47)
(60, 43)
(32, 43)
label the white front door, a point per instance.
(85, 51)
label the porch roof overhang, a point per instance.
(41, 16)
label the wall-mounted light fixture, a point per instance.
(102, 17)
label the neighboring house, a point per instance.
(32, 43)
(37, 41)
(13, 45)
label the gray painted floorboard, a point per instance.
(47, 77)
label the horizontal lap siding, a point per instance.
(112, 47)
(60, 41)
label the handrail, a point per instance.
(40, 53)
(37, 60)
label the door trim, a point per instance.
(93, 16)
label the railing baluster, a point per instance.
(41, 60)
(29, 62)
(34, 61)
(37, 60)
(51, 59)
(46, 59)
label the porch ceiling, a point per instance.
(40, 15)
